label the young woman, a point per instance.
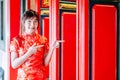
(30, 52)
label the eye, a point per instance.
(35, 21)
(29, 21)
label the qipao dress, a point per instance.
(33, 68)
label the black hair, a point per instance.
(28, 14)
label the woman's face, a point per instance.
(31, 25)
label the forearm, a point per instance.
(48, 56)
(50, 52)
(16, 62)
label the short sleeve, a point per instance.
(46, 43)
(46, 46)
(14, 45)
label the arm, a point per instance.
(17, 61)
(50, 52)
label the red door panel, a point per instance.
(45, 26)
(45, 29)
(104, 33)
(14, 28)
(69, 47)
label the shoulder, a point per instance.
(17, 40)
(14, 44)
(42, 39)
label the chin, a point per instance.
(31, 32)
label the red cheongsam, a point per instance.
(33, 68)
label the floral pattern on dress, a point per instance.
(33, 68)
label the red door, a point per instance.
(45, 32)
(104, 37)
(68, 56)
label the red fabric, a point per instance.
(33, 68)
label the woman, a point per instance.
(30, 52)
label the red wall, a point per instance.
(14, 27)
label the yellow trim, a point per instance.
(62, 6)
(67, 6)
(44, 12)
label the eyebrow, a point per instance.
(32, 19)
(36, 19)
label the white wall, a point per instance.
(5, 54)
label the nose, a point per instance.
(32, 24)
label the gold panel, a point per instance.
(32, 4)
(63, 4)
(44, 12)
(46, 2)
(67, 6)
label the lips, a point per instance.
(32, 28)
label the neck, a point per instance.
(32, 34)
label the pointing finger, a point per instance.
(39, 46)
(61, 41)
(34, 44)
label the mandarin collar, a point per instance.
(29, 35)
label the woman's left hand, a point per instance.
(57, 43)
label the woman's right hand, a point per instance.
(33, 49)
